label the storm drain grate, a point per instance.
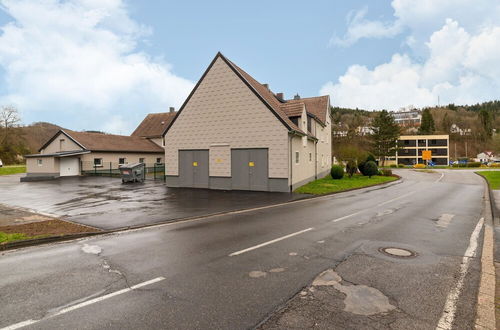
(397, 252)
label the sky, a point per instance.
(105, 64)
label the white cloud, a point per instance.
(453, 61)
(76, 62)
(360, 27)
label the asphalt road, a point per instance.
(106, 203)
(200, 286)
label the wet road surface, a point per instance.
(233, 271)
(106, 203)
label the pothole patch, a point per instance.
(91, 249)
(257, 274)
(359, 299)
(397, 252)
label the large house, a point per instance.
(69, 153)
(233, 132)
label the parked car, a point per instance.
(1, 164)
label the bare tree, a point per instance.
(9, 118)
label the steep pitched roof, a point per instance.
(108, 142)
(317, 106)
(154, 124)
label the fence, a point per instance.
(154, 171)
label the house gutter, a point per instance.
(290, 137)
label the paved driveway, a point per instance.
(106, 203)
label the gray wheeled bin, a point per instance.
(133, 172)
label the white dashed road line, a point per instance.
(83, 304)
(450, 307)
(268, 243)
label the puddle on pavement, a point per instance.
(359, 299)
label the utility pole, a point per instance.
(466, 156)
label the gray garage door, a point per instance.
(193, 168)
(250, 169)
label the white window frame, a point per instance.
(39, 162)
(124, 161)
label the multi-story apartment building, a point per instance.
(407, 118)
(411, 147)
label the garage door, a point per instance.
(250, 169)
(193, 168)
(69, 166)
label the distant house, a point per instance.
(486, 157)
(233, 132)
(68, 153)
(153, 125)
(455, 129)
(407, 117)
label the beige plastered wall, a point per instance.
(49, 165)
(55, 146)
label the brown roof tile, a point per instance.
(110, 142)
(154, 124)
(268, 96)
(292, 109)
(317, 106)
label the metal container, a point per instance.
(133, 172)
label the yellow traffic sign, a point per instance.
(427, 155)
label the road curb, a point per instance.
(61, 238)
(485, 313)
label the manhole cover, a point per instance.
(397, 252)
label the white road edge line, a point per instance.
(450, 307)
(83, 304)
(267, 243)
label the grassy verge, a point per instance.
(493, 178)
(6, 237)
(12, 169)
(328, 185)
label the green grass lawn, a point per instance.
(4, 237)
(493, 178)
(12, 169)
(328, 185)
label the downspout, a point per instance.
(290, 136)
(316, 160)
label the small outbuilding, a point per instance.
(233, 132)
(68, 153)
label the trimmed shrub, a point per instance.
(474, 164)
(362, 162)
(370, 168)
(401, 165)
(419, 166)
(393, 166)
(351, 168)
(337, 172)
(386, 172)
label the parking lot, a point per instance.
(106, 203)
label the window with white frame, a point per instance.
(98, 162)
(39, 162)
(297, 157)
(121, 161)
